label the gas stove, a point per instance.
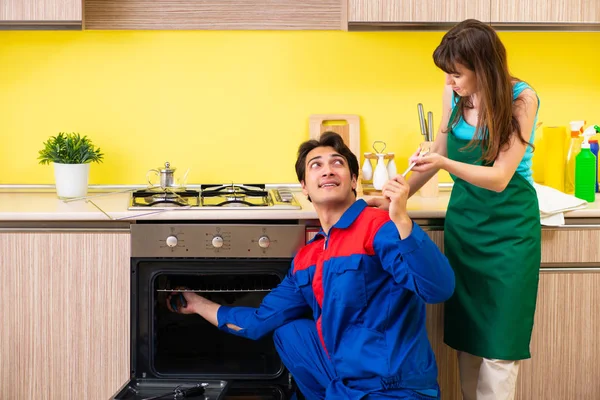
(230, 196)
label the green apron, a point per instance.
(493, 242)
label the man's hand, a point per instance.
(396, 190)
(184, 302)
(194, 304)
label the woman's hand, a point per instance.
(428, 162)
(382, 203)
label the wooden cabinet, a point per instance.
(417, 11)
(41, 11)
(566, 338)
(213, 14)
(448, 376)
(65, 313)
(545, 11)
(499, 12)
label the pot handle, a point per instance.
(150, 174)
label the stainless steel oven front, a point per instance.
(231, 264)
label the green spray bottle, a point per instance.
(585, 169)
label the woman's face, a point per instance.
(463, 81)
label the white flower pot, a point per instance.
(71, 180)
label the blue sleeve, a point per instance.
(283, 304)
(415, 262)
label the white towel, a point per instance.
(554, 203)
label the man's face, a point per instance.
(327, 179)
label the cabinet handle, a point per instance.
(577, 226)
(567, 269)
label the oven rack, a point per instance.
(214, 290)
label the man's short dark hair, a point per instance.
(327, 139)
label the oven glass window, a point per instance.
(189, 345)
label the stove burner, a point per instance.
(235, 197)
(170, 198)
(214, 196)
(221, 190)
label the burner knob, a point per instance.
(171, 241)
(217, 242)
(264, 242)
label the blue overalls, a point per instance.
(367, 291)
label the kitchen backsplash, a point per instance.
(235, 105)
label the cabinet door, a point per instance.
(566, 338)
(545, 11)
(40, 10)
(65, 314)
(214, 14)
(407, 11)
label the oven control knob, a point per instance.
(171, 241)
(264, 242)
(217, 242)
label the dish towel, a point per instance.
(554, 203)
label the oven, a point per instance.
(234, 264)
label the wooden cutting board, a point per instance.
(347, 126)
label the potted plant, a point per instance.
(71, 154)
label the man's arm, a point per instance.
(283, 304)
(415, 262)
(408, 253)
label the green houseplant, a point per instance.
(71, 155)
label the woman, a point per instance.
(492, 226)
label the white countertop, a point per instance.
(43, 205)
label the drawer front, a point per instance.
(570, 246)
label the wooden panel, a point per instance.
(40, 10)
(417, 10)
(546, 11)
(65, 318)
(448, 375)
(213, 14)
(437, 237)
(567, 247)
(566, 340)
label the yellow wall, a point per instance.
(233, 106)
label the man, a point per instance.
(366, 278)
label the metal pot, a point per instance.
(165, 176)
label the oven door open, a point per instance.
(170, 349)
(150, 389)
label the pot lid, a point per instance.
(167, 168)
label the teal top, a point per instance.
(464, 131)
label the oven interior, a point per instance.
(187, 345)
(169, 349)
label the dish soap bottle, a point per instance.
(574, 149)
(585, 169)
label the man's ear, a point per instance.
(354, 182)
(304, 191)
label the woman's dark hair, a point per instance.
(476, 46)
(327, 139)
